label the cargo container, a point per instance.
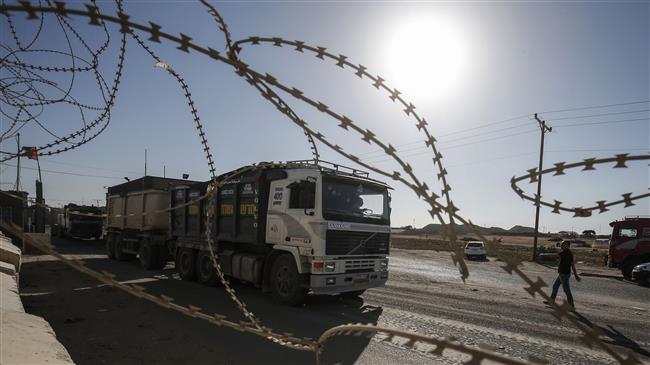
(78, 221)
(137, 220)
(307, 227)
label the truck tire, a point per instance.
(205, 271)
(150, 256)
(110, 246)
(286, 283)
(120, 255)
(185, 263)
(353, 294)
(628, 265)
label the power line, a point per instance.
(67, 173)
(513, 127)
(460, 145)
(426, 149)
(594, 107)
(485, 125)
(605, 122)
(442, 141)
(89, 167)
(599, 115)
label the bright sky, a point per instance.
(475, 71)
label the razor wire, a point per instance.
(421, 189)
(587, 165)
(27, 75)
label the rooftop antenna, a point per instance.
(145, 162)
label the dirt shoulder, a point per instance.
(515, 246)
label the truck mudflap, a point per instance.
(341, 283)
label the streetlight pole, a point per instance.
(543, 129)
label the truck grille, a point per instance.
(352, 266)
(342, 242)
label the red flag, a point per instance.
(31, 153)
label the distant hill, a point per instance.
(462, 229)
(521, 229)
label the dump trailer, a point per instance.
(78, 221)
(307, 227)
(137, 220)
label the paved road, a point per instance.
(99, 324)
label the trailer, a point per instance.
(78, 221)
(307, 227)
(137, 220)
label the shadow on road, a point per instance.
(98, 323)
(615, 336)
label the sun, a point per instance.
(426, 57)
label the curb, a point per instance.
(26, 339)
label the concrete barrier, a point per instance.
(548, 258)
(25, 338)
(9, 253)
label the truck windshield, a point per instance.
(355, 201)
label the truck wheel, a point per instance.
(205, 271)
(110, 246)
(353, 294)
(185, 262)
(628, 265)
(150, 256)
(286, 282)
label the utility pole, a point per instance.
(18, 163)
(543, 128)
(145, 162)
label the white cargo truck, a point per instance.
(304, 227)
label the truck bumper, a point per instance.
(341, 283)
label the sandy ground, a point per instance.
(98, 324)
(518, 246)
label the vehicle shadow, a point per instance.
(615, 337)
(98, 323)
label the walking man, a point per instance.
(564, 274)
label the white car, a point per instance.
(475, 249)
(641, 274)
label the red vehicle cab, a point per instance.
(629, 244)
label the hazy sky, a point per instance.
(476, 71)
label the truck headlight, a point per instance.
(330, 266)
(383, 265)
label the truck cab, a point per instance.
(629, 244)
(79, 221)
(336, 225)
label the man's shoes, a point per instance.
(549, 302)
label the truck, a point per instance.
(629, 244)
(304, 227)
(78, 221)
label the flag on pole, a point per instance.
(30, 152)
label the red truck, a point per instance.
(629, 244)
